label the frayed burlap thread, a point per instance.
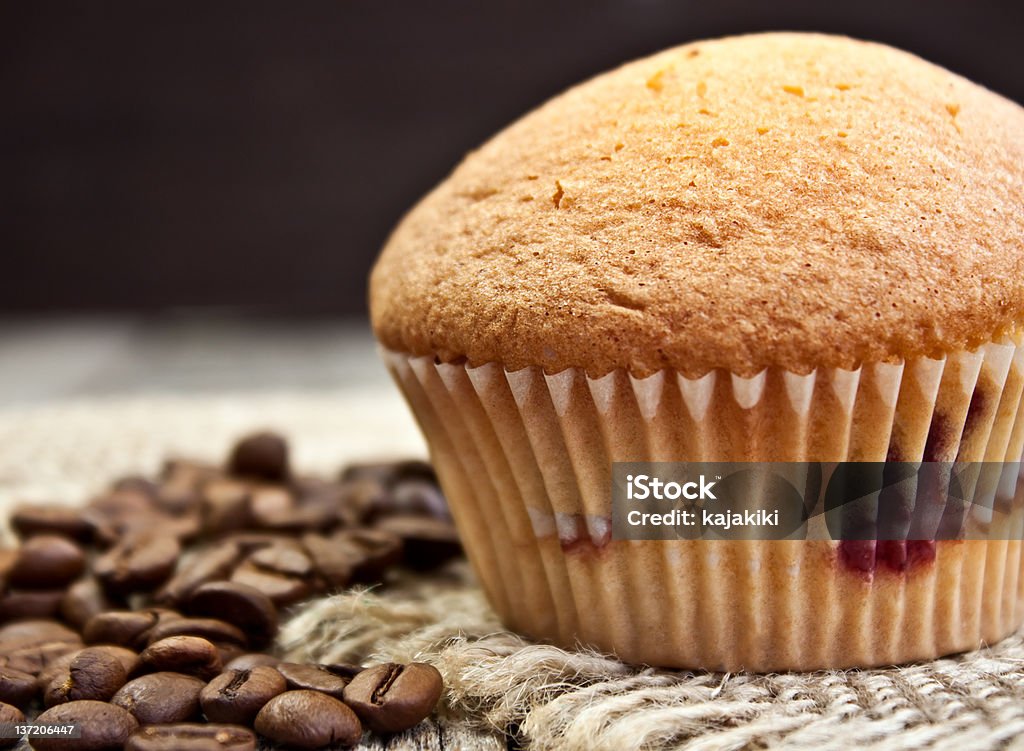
(556, 699)
(583, 701)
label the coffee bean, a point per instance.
(124, 502)
(122, 627)
(261, 455)
(113, 514)
(282, 590)
(92, 674)
(287, 559)
(333, 563)
(187, 473)
(314, 678)
(269, 504)
(252, 660)
(372, 552)
(274, 508)
(10, 716)
(126, 657)
(240, 605)
(236, 696)
(17, 687)
(426, 542)
(103, 727)
(390, 473)
(411, 497)
(211, 629)
(34, 633)
(85, 599)
(45, 562)
(34, 659)
(137, 484)
(390, 698)
(190, 655)
(250, 541)
(159, 698)
(28, 521)
(355, 500)
(229, 652)
(308, 719)
(213, 564)
(225, 506)
(137, 563)
(178, 499)
(21, 604)
(193, 737)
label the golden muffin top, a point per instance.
(783, 199)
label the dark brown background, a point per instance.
(156, 155)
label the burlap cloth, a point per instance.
(551, 698)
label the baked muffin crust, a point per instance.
(784, 199)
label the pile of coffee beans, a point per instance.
(147, 617)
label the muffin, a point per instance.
(774, 247)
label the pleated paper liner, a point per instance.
(525, 459)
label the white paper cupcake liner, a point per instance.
(525, 459)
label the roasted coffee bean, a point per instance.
(113, 514)
(333, 563)
(287, 559)
(187, 473)
(178, 499)
(137, 484)
(92, 674)
(410, 497)
(122, 627)
(28, 521)
(33, 660)
(7, 560)
(140, 562)
(274, 508)
(62, 664)
(210, 629)
(45, 562)
(119, 503)
(269, 504)
(426, 542)
(263, 456)
(390, 473)
(212, 564)
(282, 590)
(250, 541)
(251, 660)
(372, 552)
(16, 687)
(391, 698)
(191, 736)
(229, 652)
(22, 604)
(236, 696)
(159, 698)
(85, 599)
(225, 506)
(103, 727)
(34, 633)
(308, 719)
(356, 500)
(190, 655)
(10, 715)
(313, 678)
(240, 605)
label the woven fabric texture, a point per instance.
(553, 699)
